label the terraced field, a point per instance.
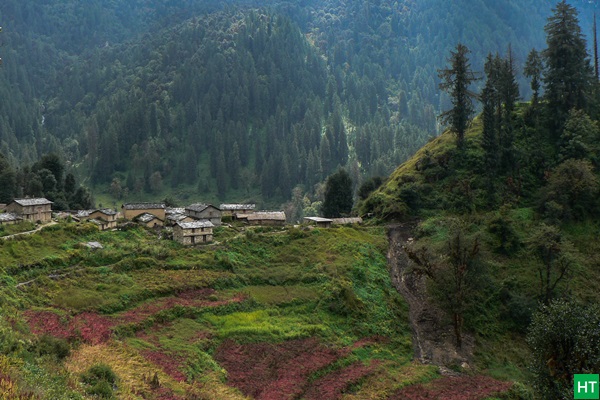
(264, 314)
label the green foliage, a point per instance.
(565, 340)
(456, 80)
(99, 372)
(55, 347)
(368, 186)
(568, 73)
(100, 380)
(338, 195)
(507, 240)
(571, 191)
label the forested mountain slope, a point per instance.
(150, 98)
(505, 213)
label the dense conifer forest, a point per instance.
(248, 100)
(466, 133)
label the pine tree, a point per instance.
(509, 94)
(456, 81)
(568, 71)
(490, 139)
(533, 70)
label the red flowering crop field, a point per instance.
(454, 388)
(275, 372)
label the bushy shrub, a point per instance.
(101, 389)
(100, 380)
(98, 373)
(49, 345)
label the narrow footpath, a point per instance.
(39, 228)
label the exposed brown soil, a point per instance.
(433, 334)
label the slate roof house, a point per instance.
(266, 218)
(204, 211)
(229, 210)
(34, 210)
(132, 210)
(105, 218)
(319, 222)
(9, 218)
(190, 233)
(148, 220)
(175, 215)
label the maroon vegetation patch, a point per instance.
(91, 327)
(169, 363)
(454, 388)
(274, 372)
(193, 298)
(48, 323)
(332, 385)
(94, 328)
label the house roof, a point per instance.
(266, 215)
(175, 210)
(32, 202)
(176, 217)
(195, 224)
(236, 207)
(344, 221)
(146, 217)
(83, 213)
(105, 211)
(318, 219)
(8, 217)
(143, 206)
(199, 207)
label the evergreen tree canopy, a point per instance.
(568, 71)
(456, 81)
(338, 195)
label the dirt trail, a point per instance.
(39, 228)
(433, 338)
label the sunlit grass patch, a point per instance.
(264, 325)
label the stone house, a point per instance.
(318, 222)
(148, 220)
(264, 218)
(176, 214)
(202, 211)
(132, 210)
(106, 217)
(9, 218)
(34, 210)
(195, 232)
(230, 210)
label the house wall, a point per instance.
(266, 222)
(192, 236)
(36, 213)
(153, 223)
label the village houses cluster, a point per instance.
(191, 225)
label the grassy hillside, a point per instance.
(444, 189)
(245, 316)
